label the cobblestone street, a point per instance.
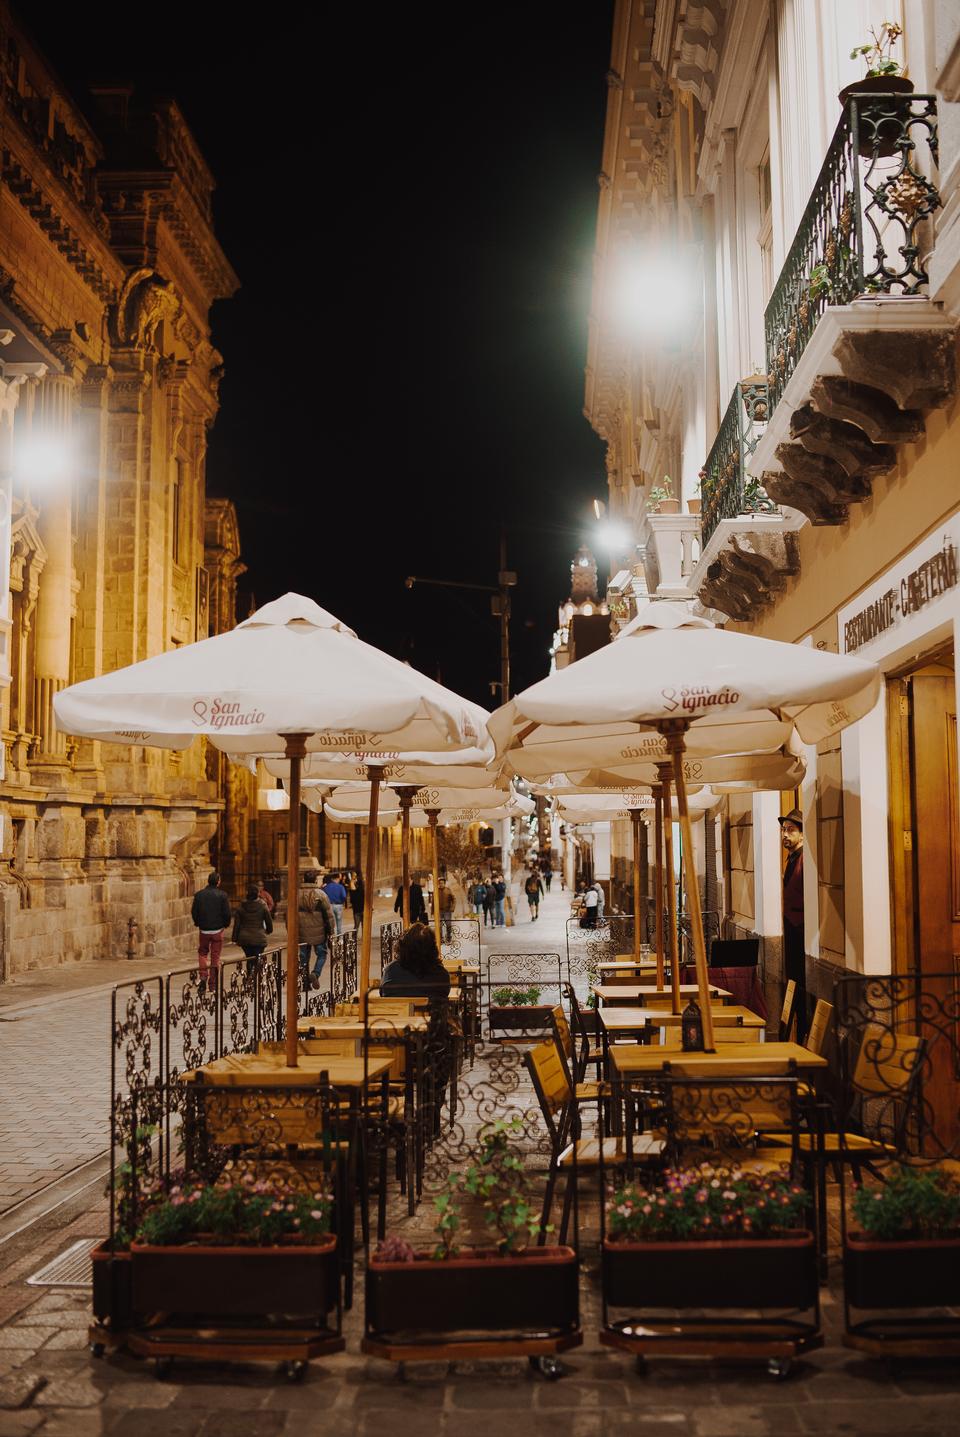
(50, 1384)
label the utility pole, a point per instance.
(499, 607)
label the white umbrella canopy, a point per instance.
(770, 771)
(599, 807)
(704, 691)
(288, 680)
(464, 768)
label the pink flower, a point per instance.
(647, 1208)
(316, 1214)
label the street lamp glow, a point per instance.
(614, 536)
(40, 460)
(653, 293)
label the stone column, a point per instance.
(52, 490)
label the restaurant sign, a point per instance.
(909, 590)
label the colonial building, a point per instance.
(108, 388)
(774, 326)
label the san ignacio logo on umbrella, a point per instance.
(215, 713)
(702, 697)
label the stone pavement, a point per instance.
(50, 1385)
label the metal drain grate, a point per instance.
(71, 1269)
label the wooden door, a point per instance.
(936, 888)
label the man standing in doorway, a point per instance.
(794, 951)
(211, 914)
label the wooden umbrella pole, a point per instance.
(675, 743)
(665, 775)
(658, 834)
(432, 816)
(637, 833)
(296, 748)
(406, 798)
(374, 774)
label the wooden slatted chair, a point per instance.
(589, 1054)
(727, 1119)
(587, 1090)
(568, 1149)
(819, 1025)
(788, 1018)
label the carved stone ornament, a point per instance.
(145, 300)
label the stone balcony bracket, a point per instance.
(748, 563)
(870, 372)
(676, 540)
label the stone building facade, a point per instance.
(110, 552)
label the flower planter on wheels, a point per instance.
(519, 1022)
(668, 1286)
(243, 1303)
(909, 1278)
(476, 1305)
(112, 1299)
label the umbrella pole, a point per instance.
(637, 831)
(406, 798)
(658, 832)
(664, 771)
(374, 775)
(296, 748)
(675, 743)
(432, 815)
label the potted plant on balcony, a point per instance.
(237, 1251)
(661, 497)
(504, 1286)
(693, 503)
(879, 133)
(517, 1010)
(755, 499)
(906, 1249)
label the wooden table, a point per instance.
(731, 1060)
(626, 965)
(633, 994)
(321, 1027)
(617, 1020)
(269, 1070)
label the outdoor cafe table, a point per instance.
(269, 1070)
(321, 1027)
(633, 994)
(731, 1060)
(617, 1021)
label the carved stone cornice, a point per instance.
(43, 209)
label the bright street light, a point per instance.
(614, 536)
(41, 459)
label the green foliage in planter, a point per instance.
(516, 997)
(877, 54)
(755, 499)
(705, 1204)
(913, 1202)
(258, 1213)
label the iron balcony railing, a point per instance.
(862, 230)
(726, 489)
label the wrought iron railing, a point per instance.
(726, 489)
(861, 231)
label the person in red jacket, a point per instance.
(794, 951)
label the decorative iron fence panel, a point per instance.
(726, 490)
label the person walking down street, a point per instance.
(210, 914)
(490, 904)
(252, 925)
(447, 905)
(356, 901)
(478, 898)
(500, 889)
(418, 909)
(547, 876)
(337, 895)
(317, 927)
(794, 948)
(533, 888)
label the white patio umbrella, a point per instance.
(288, 681)
(701, 690)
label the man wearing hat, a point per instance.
(794, 952)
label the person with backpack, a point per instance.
(317, 927)
(252, 925)
(533, 888)
(210, 914)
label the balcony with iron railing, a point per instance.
(726, 488)
(855, 350)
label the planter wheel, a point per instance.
(97, 1349)
(548, 1366)
(162, 1368)
(293, 1371)
(780, 1368)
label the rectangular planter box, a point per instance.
(535, 1291)
(236, 1281)
(920, 1273)
(739, 1273)
(112, 1290)
(519, 1020)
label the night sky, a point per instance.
(409, 197)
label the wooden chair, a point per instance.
(589, 1053)
(819, 1025)
(551, 1082)
(587, 1090)
(788, 1018)
(728, 1119)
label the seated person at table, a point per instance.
(417, 971)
